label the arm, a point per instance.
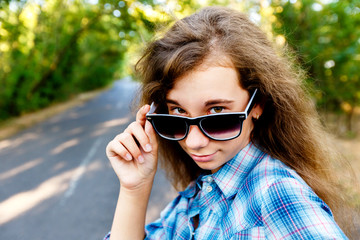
(133, 156)
(129, 218)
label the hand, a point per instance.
(135, 161)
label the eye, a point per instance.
(216, 110)
(177, 111)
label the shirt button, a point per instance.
(209, 179)
(208, 188)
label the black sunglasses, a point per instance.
(220, 126)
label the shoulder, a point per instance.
(286, 204)
(273, 183)
(271, 173)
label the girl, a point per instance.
(235, 131)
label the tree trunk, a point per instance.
(349, 117)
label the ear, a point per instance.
(256, 111)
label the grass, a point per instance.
(348, 175)
(348, 144)
(347, 171)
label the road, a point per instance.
(55, 180)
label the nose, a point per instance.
(195, 138)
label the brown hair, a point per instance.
(288, 129)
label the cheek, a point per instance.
(247, 127)
(234, 147)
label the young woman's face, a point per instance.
(210, 90)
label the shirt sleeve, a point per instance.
(291, 210)
(155, 230)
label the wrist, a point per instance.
(130, 214)
(140, 190)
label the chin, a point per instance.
(209, 167)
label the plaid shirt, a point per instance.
(253, 196)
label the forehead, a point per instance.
(208, 78)
(205, 83)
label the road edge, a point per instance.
(12, 126)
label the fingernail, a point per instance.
(141, 159)
(128, 156)
(148, 148)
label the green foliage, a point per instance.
(327, 40)
(53, 50)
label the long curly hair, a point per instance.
(289, 128)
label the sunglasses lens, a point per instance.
(222, 126)
(170, 127)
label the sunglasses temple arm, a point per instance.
(250, 104)
(152, 108)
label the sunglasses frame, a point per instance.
(197, 120)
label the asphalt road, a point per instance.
(55, 180)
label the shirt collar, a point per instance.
(230, 176)
(192, 188)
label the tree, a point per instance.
(54, 49)
(326, 38)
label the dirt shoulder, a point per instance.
(12, 126)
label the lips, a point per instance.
(203, 158)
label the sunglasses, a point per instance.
(220, 126)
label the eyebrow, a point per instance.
(218, 101)
(172, 102)
(207, 103)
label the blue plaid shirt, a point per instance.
(253, 196)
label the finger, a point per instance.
(128, 141)
(150, 132)
(141, 114)
(140, 135)
(116, 149)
